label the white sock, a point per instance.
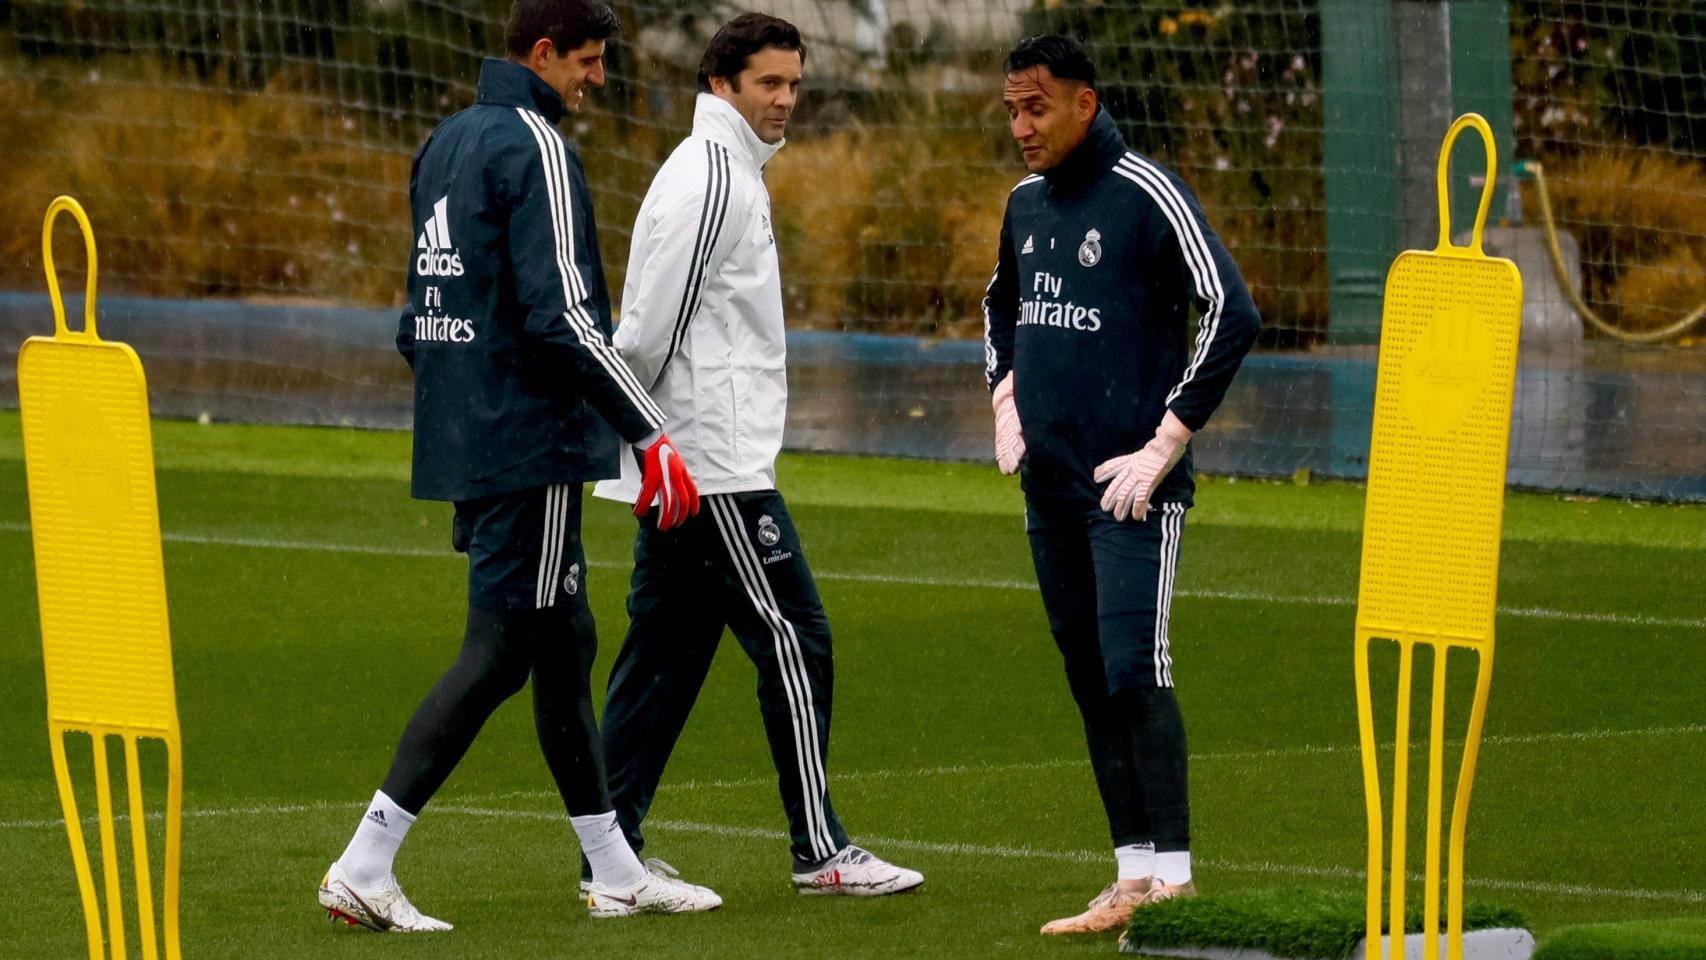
(1173, 867)
(1137, 860)
(368, 858)
(613, 861)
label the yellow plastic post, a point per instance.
(1430, 554)
(101, 587)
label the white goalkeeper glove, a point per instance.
(1009, 442)
(1135, 475)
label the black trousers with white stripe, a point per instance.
(1107, 587)
(738, 565)
(527, 618)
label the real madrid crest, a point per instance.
(572, 582)
(1090, 251)
(768, 533)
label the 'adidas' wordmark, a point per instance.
(437, 258)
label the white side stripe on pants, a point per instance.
(1172, 526)
(551, 545)
(791, 664)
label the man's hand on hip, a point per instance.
(1009, 442)
(1134, 476)
(665, 480)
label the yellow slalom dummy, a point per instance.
(1430, 556)
(106, 648)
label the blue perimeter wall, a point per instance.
(1596, 419)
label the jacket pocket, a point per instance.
(760, 409)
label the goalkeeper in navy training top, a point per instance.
(1097, 392)
(519, 399)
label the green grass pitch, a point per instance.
(1679, 939)
(313, 603)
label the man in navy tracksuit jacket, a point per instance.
(519, 399)
(1097, 391)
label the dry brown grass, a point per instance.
(1650, 195)
(1658, 293)
(1280, 249)
(195, 192)
(818, 229)
(199, 192)
(1640, 216)
(889, 231)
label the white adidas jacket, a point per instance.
(701, 317)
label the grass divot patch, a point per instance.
(1284, 922)
(1682, 939)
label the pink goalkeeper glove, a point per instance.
(1135, 475)
(1009, 442)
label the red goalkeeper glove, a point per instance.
(664, 479)
(1135, 475)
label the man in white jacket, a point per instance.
(701, 326)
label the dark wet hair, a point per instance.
(1061, 55)
(567, 23)
(739, 39)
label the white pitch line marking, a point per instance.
(972, 583)
(945, 848)
(1561, 736)
(983, 769)
(1031, 766)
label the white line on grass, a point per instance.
(1246, 596)
(1231, 866)
(952, 849)
(1030, 766)
(981, 769)
(1561, 736)
(194, 813)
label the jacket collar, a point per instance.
(1100, 150)
(509, 84)
(718, 121)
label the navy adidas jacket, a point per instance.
(508, 322)
(1102, 258)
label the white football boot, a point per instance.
(383, 908)
(859, 873)
(652, 865)
(661, 890)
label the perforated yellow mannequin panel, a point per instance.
(101, 582)
(1430, 555)
(1436, 478)
(101, 586)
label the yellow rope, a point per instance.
(1569, 285)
